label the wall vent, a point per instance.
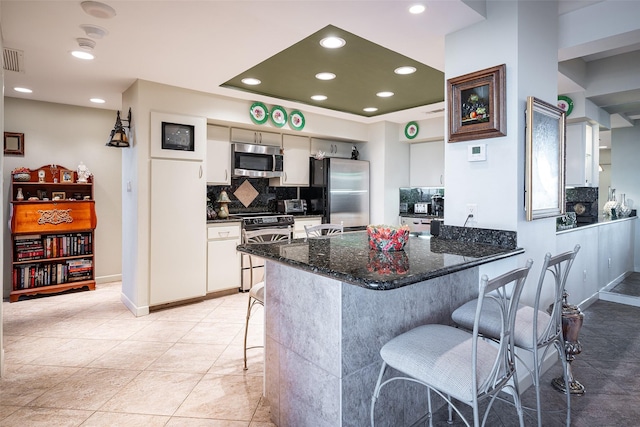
(13, 60)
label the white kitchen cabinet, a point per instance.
(580, 159)
(178, 220)
(331, 148)
(255, 137)
(300, 222)
(426, 164)
(218, 155)
(296, 152)
(223, 261)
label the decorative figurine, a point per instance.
(83, 173)
(223, 200)
(20, 196)
(354, 153)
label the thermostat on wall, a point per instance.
(477, 153)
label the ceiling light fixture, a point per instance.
(416, 9)
(318, 97)
(325, 76)
(94, 31)
(251, 81)
(87, 46)
(98, 10)
(370, 109)
(332, 42)
(118, 137)
(385, 94)
(22, 90)
(405, 70)
(97, 100)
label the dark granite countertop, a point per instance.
(347, 258)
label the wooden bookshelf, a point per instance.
(53, 245)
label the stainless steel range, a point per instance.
(255, 221)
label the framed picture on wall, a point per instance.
(545, 164)
(178, 137)
(476, 103)
(14, 144)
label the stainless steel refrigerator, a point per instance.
(339, 190)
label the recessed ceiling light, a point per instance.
(97, 100)
(325, 76)
(318, 97)
(405, 70)
(384, 94)
(332, 42)
(416, 9)
(251, 81)
(94, 31)
(81, 54)
(22, 89)
(98, 10)
(370, 109)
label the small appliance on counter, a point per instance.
(421, 208)
(292, 206)
(437, 205)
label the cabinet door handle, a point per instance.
(285, 177)
(441, 176)
(200, 172)
(223, 234)
(226, 174)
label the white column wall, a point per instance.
(515, 34)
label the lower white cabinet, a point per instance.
(223, 261)
(298, 226)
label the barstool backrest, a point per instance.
(323, 229)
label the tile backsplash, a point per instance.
(265, 201)
(417, 195)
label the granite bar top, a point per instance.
(347, 258)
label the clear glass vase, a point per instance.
(623, 209)
(610, 208)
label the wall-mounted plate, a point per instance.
(296, 120)
(411, 130)
(259, 113)
(278, 116)
(565, 104)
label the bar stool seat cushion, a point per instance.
(441, 356)
(257, 292)
(490, 324)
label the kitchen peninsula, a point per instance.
(331, 303)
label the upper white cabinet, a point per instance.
(580, 159)
(331, 148)
(426, 164)
(296, 152)
(255, 137)
(218, 155)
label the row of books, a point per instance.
(35, 247)
(34, 275)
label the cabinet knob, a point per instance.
(200, 172)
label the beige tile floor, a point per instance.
(82, 359)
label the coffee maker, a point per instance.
(437, 205)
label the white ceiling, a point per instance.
(201, 44)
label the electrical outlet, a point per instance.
(609, 262)
(584, 276)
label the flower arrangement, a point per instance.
(387, 238)
(21, 174)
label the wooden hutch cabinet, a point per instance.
(52, 231)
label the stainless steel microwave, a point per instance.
(256, 161)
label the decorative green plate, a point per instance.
(565, 104)
(259, 113)
(278, 116)
(296, 120)
(411, 130)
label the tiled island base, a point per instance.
(323, 339)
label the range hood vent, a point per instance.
(13, 60)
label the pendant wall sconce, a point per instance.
(118, 137)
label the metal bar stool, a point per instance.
(256, 293)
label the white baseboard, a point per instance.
(108, 279)
(137, 311)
